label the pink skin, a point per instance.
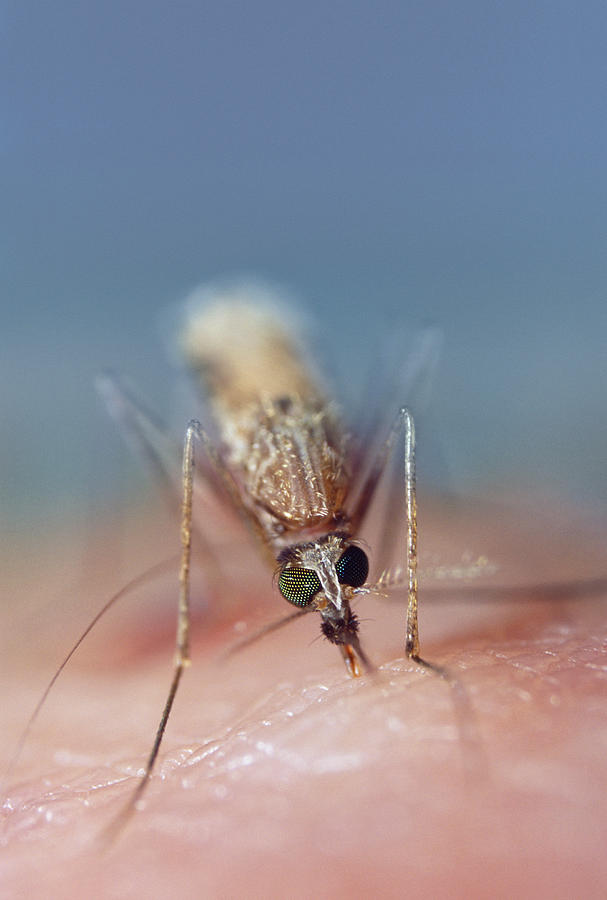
(280, 776)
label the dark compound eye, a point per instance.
(298, 586)
(352, 567)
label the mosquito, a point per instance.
(285, 462)
(281, 459)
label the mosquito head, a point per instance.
(323, 574)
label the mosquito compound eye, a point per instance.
(298, 586)
(352, 567)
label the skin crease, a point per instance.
(280, 776)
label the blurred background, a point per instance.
(395, 164)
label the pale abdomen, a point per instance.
(280, 437)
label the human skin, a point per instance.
(279, 776)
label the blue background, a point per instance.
(410, 162)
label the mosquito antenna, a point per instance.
(134, 583)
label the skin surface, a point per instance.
(280, 776)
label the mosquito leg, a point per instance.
(265, 629)
(145, 434)
(404, 420)
(367, 492)
(136, 582)
(412, 635)
(412, 627)
(473, 756)
(149, 439)
(182, 649)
